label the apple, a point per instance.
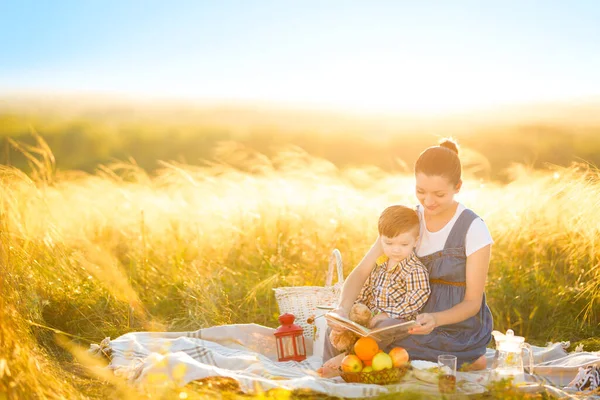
(351, 363)
(368, 362)
(399, 356)
(382, 361)
(368, 368)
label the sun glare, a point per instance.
(358, 88)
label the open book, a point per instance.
(397, 330)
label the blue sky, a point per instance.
(424, 56)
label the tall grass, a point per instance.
(84, 135)
(96, 255)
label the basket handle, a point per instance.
(336, 257)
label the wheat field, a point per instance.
(86, 256)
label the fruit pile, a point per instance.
(370, 364)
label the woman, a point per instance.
(455, 246)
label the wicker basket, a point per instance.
(383, 377)
(302, 301)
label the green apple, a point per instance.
(382, 361)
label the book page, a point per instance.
(401, 326)
(393, 331)
(347, 324)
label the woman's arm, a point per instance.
(355, 281)
(476, 274)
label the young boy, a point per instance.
(398, 286)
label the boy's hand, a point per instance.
(379, 317)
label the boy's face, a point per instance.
(399, 247)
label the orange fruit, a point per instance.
(365, 348)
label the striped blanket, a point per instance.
(246, 353)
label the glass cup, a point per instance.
(447, 377)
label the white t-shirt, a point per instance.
(478, 235)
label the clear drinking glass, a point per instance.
(447, 378)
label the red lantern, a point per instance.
(290, 339)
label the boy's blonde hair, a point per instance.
(395, 220)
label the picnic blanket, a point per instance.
(247, 353)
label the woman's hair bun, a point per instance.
(449, 144)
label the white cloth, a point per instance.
(247, 354)
(478, 235)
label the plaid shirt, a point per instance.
(400, 291)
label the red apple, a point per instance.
(399, 356)
(351, 363)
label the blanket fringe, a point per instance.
(103, 349)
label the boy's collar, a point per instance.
(384, 259)
(381, 260)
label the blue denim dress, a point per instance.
(467, 340)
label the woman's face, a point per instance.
(435, 193)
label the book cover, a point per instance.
(394, 330)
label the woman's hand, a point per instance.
(427, 322)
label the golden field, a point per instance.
(190, 245)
